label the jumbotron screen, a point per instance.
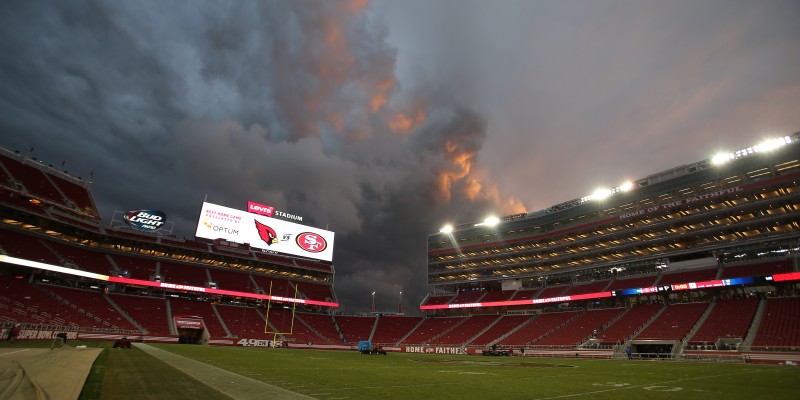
(262, 232)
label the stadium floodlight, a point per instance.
(625, 187)
(601, 194)
(721, 158)
(491, 221)
(772, 144)
(446, 229)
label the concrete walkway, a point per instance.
(234, 385)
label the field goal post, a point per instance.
(266, 319)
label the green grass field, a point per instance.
(336, 375)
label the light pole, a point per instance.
(400, 303)
(373, 301)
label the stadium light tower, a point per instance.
(446, 229)
(400, 303)
(373, 301)
(489, 221)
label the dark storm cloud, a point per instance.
(383, 121)
(293, 104)
(585, 93)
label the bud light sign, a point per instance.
(145, 220)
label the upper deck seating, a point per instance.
(757, 269)
(553, 291)
(79, 195)
(136, 267)
(525, 294)
(85, 258)
(27, 247)
(497, 295)
(439, 299)
(34, 180)
(632, 283)
(472, 296)
(232, 280)
(183, 274)
(699, 275)
(275, 286)
(311, 264)
(315, 291)
(586, 288)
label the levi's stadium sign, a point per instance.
(145, 220)
(262, 232)
(270, 211)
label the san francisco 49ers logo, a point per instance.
(311, 242)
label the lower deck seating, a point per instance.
(623, 328)
(430, 328)
(244, 322)
(500, 328)
(392, 328)
(675, 322)
(728, 319)
(21, 302)
(185, 307)
(94, 304)
(465, 331)
(537, 327)
(149, 312)
(780, 324)
(355, 328)
(581, 328)
(322, 324)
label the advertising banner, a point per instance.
(263, 232)
(182, 322)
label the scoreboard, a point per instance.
(264, 232)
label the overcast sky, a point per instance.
(385, 120)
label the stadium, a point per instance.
(696, 263)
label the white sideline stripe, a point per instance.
(229, 383)
(12, 352)
(641, 385)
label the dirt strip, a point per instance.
(234, 385)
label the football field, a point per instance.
(204, 372)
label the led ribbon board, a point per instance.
(165, 285)
(789, 276)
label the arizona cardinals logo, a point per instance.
(267, 234)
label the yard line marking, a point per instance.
(640, 386)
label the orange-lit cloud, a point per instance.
(382, 94)
(403, 123)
